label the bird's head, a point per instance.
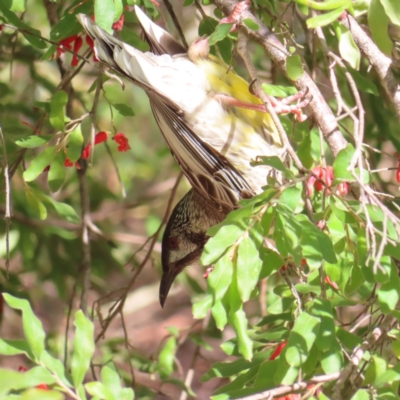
(184, 238)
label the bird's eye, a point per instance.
(173, 243)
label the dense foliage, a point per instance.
(305, 282)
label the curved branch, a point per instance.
(321, 112)
(379, 61)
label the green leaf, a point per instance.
(62, 209)
(332, 359)
(105, 14)
(348, 48)
(378, 22)
(35, 204)
(75, 143)
(224, 47)
(376, 367)
(301, 339)
(272, 262)
(392, 8)
(279, 91)
(322, 309)
(294, 67)
(388, 294)
(207, 26)
(57, 172)
(55, 366)
(362, 394)
(30, 34)
(201, 307)
(326, 5)
(111, 379)
(287, 233)
(18, 5)
(238, 320)
(15, 347)
(248, 267)
(388, 376)
(291, 197)
(217, 245)
(39, 163)
(83, 348)
(124, 110)
(220, 315)
(33, 328)
(40, 394)
(118, 9)
(166, 358)
(220, 33)
(315, 244)
(363, 84)
(13, 380)
(99, 390)
(341, 163)
(326, 18)
(34, 141)
(221, 277)
(57, 115)
(251, 24)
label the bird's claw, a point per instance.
(235, 16)
(283, 106)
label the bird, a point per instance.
(204, 111)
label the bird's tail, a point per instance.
(135, 65)
(105, 44)
(160, 41)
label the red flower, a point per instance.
(68, 163)
(396, 154)
(77, 45)
(329, 282)
(323, 178)
(278, 350)
(122, 140)
(21, 368)
(117, 26)
(90, 43)
(1, 27)
(86, 152)
(99, 138)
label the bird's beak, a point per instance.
(167, 280)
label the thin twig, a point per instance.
(7, 211)
(121, 301)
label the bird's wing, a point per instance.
(160, 41)
(208, 171)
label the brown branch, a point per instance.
(379, 61)
(322, 114)
(282, 390)
(178, 27)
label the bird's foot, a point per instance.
(281, 106)
(235, 16)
